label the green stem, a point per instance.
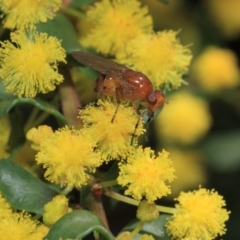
(109, 183)
(30, 120)
(137, 229)
(41, 118)
(73, 12)
(166, 209)
(134, 202)
(35, 120)
(66, 191)
(121, 198)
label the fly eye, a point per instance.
(152, 97)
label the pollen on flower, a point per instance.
(201, 215)
(5, 207)
(40, 55)
(26, 13)
(147, 237)
(216, 69)
(68, 156)
(113, 138)
(146, 175)
(166, 63)
(19, 226)
(116, 22)
(185, 120)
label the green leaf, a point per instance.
(61, 28)
(17, 136)
(156, 228)
(22, 190)
(76, 225)
(7, 105)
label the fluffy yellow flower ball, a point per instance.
(216, 69)
(184, 120)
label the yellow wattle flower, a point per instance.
(160, 56)
(68, 156)
(216, 69)
(113, 138)
(184, 120)
(19, 226)
(29, 63)
(146, 175)
(5, 207)
(26, 13)
(200, 215)
(115, 22)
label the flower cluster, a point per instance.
(107, 133)
(18, 225)
(200, 215)
(186, 120)
(40, 55)
(39, 52)
(115, 23)
(165, 64)
(124, 29)
(68, 156)
(115, 137)
(146, 175)
(216, 69)
(27, 13)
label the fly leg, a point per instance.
(150, 116)
(118, 103)
(137, 123)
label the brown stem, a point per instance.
(97, 205)
(69, 99)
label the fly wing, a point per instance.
(99, 64)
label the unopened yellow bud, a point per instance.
(124, 236)
(147, 212)
(37, 135)
(55, 210)
(146, 237)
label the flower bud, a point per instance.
(37, 135)
(147, 212)
(55, 209)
